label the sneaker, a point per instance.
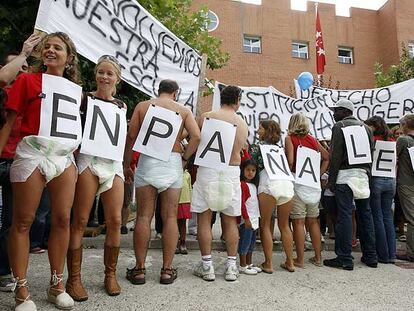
(258, 269)
(232, 273)
(307, 237)
(247, 270)
(322, 239)
(37, 250)
(336, 263)
(206, 274)
(158, 236)
(7, 283)
(355, 242)
(124, 230)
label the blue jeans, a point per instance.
(382, 195)
(247, 240)
(6, 215)
(343, 230)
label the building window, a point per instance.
(300, 50)
(213, 22)
(252, 44)
(411, 50)
(345, 55)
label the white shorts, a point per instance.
(217, 190)
(49, 156)
(281, 190)
(104, 169)
(162, 175)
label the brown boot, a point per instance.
(74, 285)
(110, 260)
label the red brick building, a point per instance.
(270, 44)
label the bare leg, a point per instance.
(112, 200)
(266, 204)
(204, 233)
(128, 189)
(315, 233)
(62, 192)
(86, 188)
(182, 228)
(243, 261)
(249, 260)
(299, 237)
(169, 206)
(283, 212)
(26, 198)
(231, 234)
(145, 197)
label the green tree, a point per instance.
(403, 71)
(17, 18)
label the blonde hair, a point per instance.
(114, 62)
(71, 71)
(298, 124)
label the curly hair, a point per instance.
(71, 71)
(380, 127)
(298, 125)
(272, 131)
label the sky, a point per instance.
(342, 6)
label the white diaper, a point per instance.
(281, 190)
(104, 169)
(308, 195)
(357, 179)
(49, 156)
(217, 190)
(159, 174)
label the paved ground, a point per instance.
(386, 288)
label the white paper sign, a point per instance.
(411, 152)
(105, 130)
(385, 159)
(275, 163)
(308, 167)
(147, 51)
(216, 144)
(59, 110)
(158, 133)
(267, 103)
(357, 144)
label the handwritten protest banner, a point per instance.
(264, 103)
(391, 102)
(147, 51)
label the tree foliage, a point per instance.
(17, 18)
(403, 71)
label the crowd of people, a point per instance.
(36, 169)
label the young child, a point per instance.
(250, 217)
(184, 213)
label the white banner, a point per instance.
(357, 144)
(216, 144)
(390, 102)
(158, 133)
(411, 152)
(385, 159)
(308, 167)
(105, 130)
(146, 49)
(59, 110)
(275, 163)
(264, 103)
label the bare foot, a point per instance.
(298, 264)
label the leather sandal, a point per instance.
(172, 276)
(132, 274)
(25, 304)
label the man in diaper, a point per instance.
(350, 182)
(220, 190)
(155, 176)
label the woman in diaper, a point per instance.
(98, 176)
(41, 162)
(273, 193)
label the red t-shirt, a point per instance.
(308, 141)
(24, 99)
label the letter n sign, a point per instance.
(59, 111)
(158, 132)
(357, 144)
(275, 163)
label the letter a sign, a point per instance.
(357, 144)
(308, 162)
(158, 133)
(216, 145)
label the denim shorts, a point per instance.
(247, 240)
